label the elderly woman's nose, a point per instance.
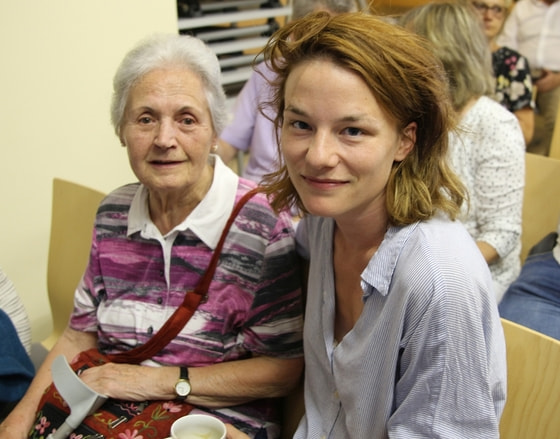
(165, 136)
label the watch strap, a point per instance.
(184, 373)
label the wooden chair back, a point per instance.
(555, 142)
(541, 200)
(73, 214)
(533, 402)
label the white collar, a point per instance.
(208, 218)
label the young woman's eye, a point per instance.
(353, 131)
(299, 125)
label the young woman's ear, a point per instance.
(407, 142)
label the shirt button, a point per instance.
(160, 300)
(150, 330)
(335, 394)
(161, 273)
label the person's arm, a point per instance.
(499, 178)
(488, 252)
(238, 134)
(19, 421)
(548, 81)
(226, 151)
(234, 433)
(526, 118)
(451, 376)
(218, 385)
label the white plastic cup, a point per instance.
(198, 426)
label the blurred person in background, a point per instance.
(16, 368)
(514, 87)
(487, 149)
(251, 129)
(533, 299)
(533, 29)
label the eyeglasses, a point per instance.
(483, 8)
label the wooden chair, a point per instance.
(555, 142)
(73, 213)
(541, 200)
(533, 402)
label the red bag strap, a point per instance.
(181, 316)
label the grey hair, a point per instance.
(459, 42)
(301, 8)
(162, 51)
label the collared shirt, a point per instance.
(250, 130)
(533, 29)
(207, 220)
(135, 279)
(488, 153)
(426, 357)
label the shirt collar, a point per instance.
(208, 218)
(378, 274)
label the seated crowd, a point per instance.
(401, 147)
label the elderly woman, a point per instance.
(514, 86)
(154, 239)
(488, 149)
(402, 336)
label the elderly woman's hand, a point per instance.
(131, 382)
(234, 433)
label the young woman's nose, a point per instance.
(322, 150)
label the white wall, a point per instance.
(57, 62)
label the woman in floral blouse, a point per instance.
(514, 88)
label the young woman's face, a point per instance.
(492, 13)
(167, 130)
(338, 144)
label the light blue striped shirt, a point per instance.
(426, 358)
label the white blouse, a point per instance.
(488, 153)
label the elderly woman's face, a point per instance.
(492, 13)
(167, 130)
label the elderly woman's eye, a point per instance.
(145, 120)
(187, 121)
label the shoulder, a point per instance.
(260, 76)
(488, 116)
(258, 215)
(442, 253)
(116, 205)
(122, 195)
(436, 242)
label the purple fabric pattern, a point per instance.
(254, 304)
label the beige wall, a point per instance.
(57, 62)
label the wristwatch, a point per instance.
(183, 385)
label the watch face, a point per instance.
(182, 388)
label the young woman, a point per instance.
(401, 337)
